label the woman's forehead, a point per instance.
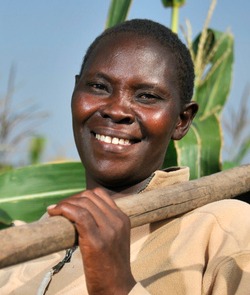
(131, 37)
(127, 47)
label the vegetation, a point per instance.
(175, 5)
(26, 192)
(118, 11)
(236, 126)
(17, 124)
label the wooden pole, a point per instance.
(30, 241)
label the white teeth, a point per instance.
(121, 141)
(113, 140)
(108, 139)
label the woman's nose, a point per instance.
(119, 110)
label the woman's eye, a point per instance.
(148, 97)
(98, 86)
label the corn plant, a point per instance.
(212, 54)
(175, 5)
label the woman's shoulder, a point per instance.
(228, 210)
(226, 219)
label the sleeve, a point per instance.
(138, 290)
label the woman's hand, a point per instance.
(104, 240)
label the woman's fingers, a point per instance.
(93, 214)
(97, 192)
(97, 202)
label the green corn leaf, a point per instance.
(171, 156)
(200, 149)
(173, 3)
(211, 140)
(26, 192)
(244, 149)
(118, 12)
(212, 90)
(189, 151)
(228, 165)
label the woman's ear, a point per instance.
(185, 119)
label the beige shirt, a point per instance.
(206, 251)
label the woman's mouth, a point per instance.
(112, 140)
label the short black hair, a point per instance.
(168, 39)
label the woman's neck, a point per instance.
(121, 191)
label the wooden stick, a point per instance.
(26, 242)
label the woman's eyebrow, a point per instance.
(99, 75)
(148, 85)
(152, 86)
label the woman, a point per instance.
(132, 96)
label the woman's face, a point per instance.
(125, 108)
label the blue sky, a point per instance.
(46, 41)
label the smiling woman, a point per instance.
(133, 102)
(133, 95)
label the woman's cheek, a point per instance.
(82, 107)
